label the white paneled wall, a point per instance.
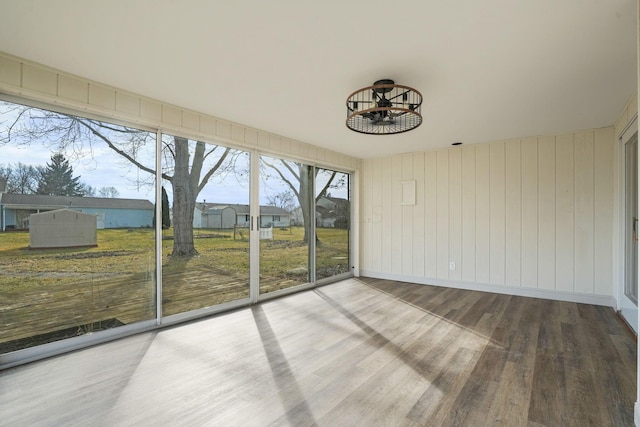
(531, 216)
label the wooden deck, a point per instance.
(128, 299)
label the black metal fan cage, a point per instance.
(384, 108)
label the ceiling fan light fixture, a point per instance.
(384, 108)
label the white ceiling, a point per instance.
(488, 70)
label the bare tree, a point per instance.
(108, 192)
(86, 190)
(299, 178)
(284, 200)
(187, 171)
(187, 174)
(21, 178)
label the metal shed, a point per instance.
(62, 228)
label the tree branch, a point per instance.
(121, 152)
(288, 166)
(15, 122)
(284, 178)
(209, 174)
(326, 186)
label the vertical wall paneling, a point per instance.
(529, 275)
(224, 130)
(533, 213)
(251, 137)
(455, 212)
(366, 219)
(296, 148)
(170, 115)
(263, 140)
(407, 218)
(443, 213)
(497, 213)
(584, 207)
(603, 275)
(387, 212)
(468, 258)
(125, 102)
(191, 121)
(104, 97)
(482, 213)
(431, 214)
(152, 111)
(39, 79)
(547, 213)
(76, 90)
(396, 215)
(376, 212)
(513, 215)
(418, 217)
(565, 200)
(10, 71)
(237, 133)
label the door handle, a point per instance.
(635, 229)
(257, 222)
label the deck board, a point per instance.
(127, 298)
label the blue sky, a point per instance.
(106, 169)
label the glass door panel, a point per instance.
(333, 219)
(205, 247)
(629, 301)
(77, 243)
(286, 223)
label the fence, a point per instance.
(243, 232)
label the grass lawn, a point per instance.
(44, 290)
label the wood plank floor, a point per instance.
(359, 352)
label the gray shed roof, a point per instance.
(39, 201)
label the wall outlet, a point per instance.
(452, 265)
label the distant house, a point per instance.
(214, 216)
(15, 210)
(221, 215)
(331, 212)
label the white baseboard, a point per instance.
(604, 300)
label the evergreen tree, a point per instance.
(166, 219)
(166, 215)
(57, 179)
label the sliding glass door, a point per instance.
(629, 299)
(286, 223)
(333, 223)
(206, 235)
(85, 246)
(77, 243)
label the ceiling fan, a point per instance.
(384, 108)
